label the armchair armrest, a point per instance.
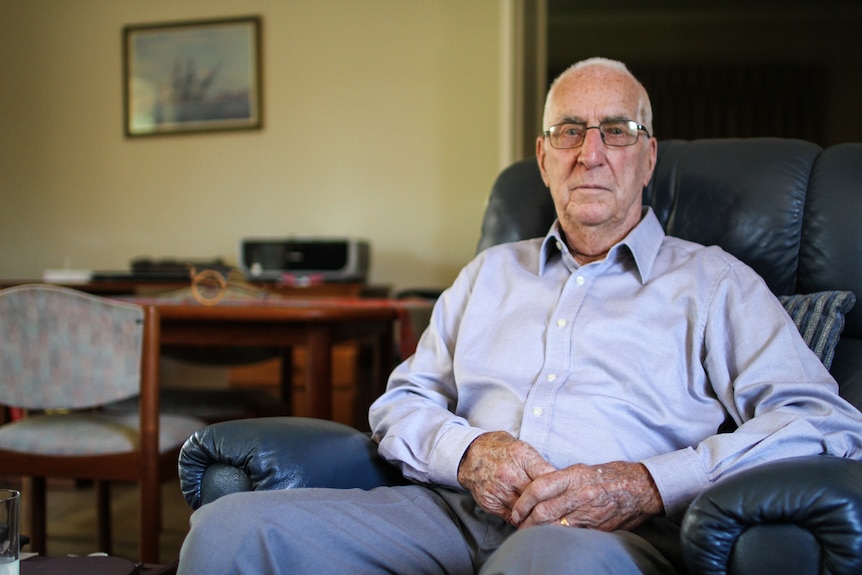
(800, 515)
(278, 453)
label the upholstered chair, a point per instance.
(64, 356)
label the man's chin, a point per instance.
(589, 216)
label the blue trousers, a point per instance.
(409, 530)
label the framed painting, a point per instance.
(191, 77)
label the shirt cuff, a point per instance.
(679, 479)
(447, 454)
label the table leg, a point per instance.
(375, 362)
(385, 359)
(365, 376)
(287, 380)
(318, 372)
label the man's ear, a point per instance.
(653, 153)
(540, 158)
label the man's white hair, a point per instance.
(644, 105)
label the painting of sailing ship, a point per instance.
(192, 77)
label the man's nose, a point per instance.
(593, 148)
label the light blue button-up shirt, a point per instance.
(642, 356)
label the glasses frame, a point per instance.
(638, 128)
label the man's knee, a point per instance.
(214, 530)
(247, 533)
(557, 549)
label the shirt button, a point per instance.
(537, 411)
(561, 323)
(580, 280)
(551, 377)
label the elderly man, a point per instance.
(565, 404)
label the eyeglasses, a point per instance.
(615, 133)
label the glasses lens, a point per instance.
(619, 133)
(567, 135)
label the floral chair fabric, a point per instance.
(65, 349)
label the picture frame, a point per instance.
(192, 77)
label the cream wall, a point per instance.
(412, 87)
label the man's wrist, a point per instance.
(650, 496)
(467, 465)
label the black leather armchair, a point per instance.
(790, 209)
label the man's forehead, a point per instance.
(595, 105)
(584, 119)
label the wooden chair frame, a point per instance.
(145, 466)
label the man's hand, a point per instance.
(496, 469)
(605, 497)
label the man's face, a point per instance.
(596, 187)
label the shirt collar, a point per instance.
(643, 242)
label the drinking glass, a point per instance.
(9, 522)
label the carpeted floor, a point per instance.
(72, 519)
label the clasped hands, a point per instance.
(510, 479)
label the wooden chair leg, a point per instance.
(103, 515)
(150, 510)
(38, 517)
